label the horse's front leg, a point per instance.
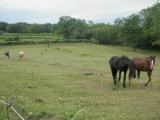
(149, 76)
(124, 79)
(114, 74)
(138, 74)
(119, 78)
(115, 77)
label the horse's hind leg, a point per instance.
(149, 76)
(138, 73)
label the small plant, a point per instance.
(16, 38)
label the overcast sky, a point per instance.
(45, 11)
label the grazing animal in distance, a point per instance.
(146, 65)
(21, 55)
(7, 53)
(121, 64)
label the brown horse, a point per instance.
(144, 64)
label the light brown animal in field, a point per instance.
(21, 55)
(144, 64)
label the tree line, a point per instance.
(23, 27)
(140, 30)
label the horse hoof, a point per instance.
(124, 86)
(146, 84)
(114, 87)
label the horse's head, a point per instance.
(151, 60)
(132, 69)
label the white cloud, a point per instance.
(96, 10)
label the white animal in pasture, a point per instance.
(21, 55)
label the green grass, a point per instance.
(55, 83)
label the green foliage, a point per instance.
(70, 27)
(3, 26)
(132, 30)
(142, 29)
(151, 24)
(105, 34)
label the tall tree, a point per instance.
(132, 30)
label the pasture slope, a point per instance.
(55, 83)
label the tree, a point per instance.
(151, 24)
(3, 26)
(70, 27)
(132, 30)
(105, 33)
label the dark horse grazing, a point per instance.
(144, 64)
(121, 64)
(7, 53)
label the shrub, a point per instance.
(16, 38)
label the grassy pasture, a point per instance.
(55, 83)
